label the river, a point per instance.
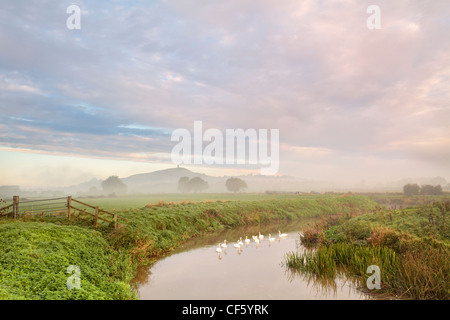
(195, 271)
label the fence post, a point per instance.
(69, 207)
(96, 217)
(15, 206)
(115, 221)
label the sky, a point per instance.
(350, 102)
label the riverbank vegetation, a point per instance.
(35, 252)
(35, 256)
(411, 246)
(399, 200)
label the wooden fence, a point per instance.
(65, 207)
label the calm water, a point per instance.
(197, 271)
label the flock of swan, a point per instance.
(222, 247)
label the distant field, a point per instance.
(390, 200)
(399, 200)
(139, 201)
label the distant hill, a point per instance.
(166, 181)
(161, 181)
(171, 175)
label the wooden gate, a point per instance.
(57, 207)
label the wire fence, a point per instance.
(51, 207)
(58, 207)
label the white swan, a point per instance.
(282, 235)
(271, 239)
(247, 240)
(237, 245)
(224, 244)
(261, 236)
(240, 241)
(218, 249)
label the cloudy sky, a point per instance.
(350, 102)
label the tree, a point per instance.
(438, 189)
(428, 189)
(183, 184)
(114, 185)
(411, 189)
(235, 184)
(197, 184)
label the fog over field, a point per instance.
(88, 94)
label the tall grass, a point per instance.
(411, 247)
(328, 261)
(392, 200)
(425, 275)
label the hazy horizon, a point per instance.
(352, 104)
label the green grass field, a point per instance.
(139, 201)
(397, 200)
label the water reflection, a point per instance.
(323, 286)
(252, 270)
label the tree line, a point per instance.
(415, 189)
(113, 185)
(197, 184)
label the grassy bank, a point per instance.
(35, 256)
(411, 246)
(164, 226)
(35, 252)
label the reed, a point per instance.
(327, 261)
(411, 246)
